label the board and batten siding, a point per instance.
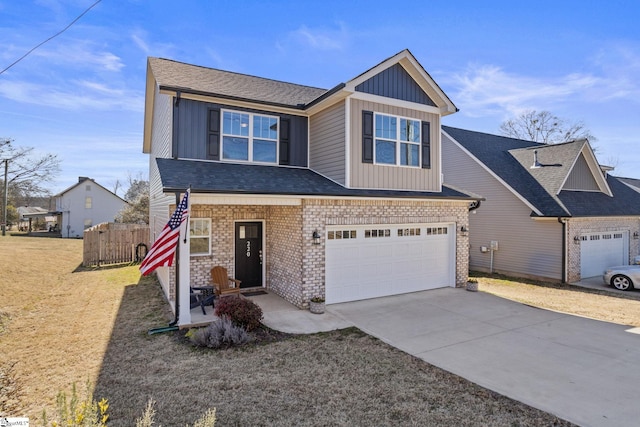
(327, 142)
(369, 175)
(526, 247)
(192, 130)
(581, 177)
(161, 139)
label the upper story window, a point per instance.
(88, 202)
(249, 137)
(397, 140)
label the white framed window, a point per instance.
(249, 137)
(88, 202)
(200, 236)
(88, 223)
(397, 140)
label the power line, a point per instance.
(52, 37)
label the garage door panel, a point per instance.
(601, 250)
(388, 262)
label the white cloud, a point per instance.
(325, 39)
(81, 95)
(609, 75)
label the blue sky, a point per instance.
(81, 95)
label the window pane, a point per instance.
(386, 127)
(385, 152)
(265, 127)
(409, 154)
(409, 130)
(235, 124)
(199, 245)
(235, 148)
(264, 151)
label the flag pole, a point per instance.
(177, 281)
(173, 326)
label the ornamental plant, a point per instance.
(240, 311)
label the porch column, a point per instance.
(185, 276)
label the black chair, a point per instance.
(202, 296)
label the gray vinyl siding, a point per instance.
(526, 247)
(327, 143)
(368, 175)
(581, 177)
(160, 148)
(395, 82)
(192, 125)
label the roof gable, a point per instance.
(414, 72)
(580, 177)
(395, 82)
(558, 180)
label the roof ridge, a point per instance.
(236, 73)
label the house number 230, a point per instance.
(248, 249)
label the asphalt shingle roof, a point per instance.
(231, 178)
(511, 159)
(171, 74)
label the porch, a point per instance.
(278, 314)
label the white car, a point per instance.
(622, 277)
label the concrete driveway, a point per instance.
(582, 370)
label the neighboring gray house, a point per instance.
(551, 211)
(305, 191)
(83, 205)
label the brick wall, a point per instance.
(294, 265)
(579, 226)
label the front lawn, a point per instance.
(63, 324)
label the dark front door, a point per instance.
(249, 253)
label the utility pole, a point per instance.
(4, 142)
(6, 196)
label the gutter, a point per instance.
(563, 221)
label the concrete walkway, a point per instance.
(582, 370)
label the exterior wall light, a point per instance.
(635, 234)
(576, 239)
(464, 230)
(316, 237)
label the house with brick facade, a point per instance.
(305, 191)
(550, 211)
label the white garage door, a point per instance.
(601, 250)
(379, 260)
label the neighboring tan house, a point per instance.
(304, 191)
(551, 211)
(83, 205)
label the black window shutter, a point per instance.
(426, 145)
(367, 136)
(284, 141)
(213, 135)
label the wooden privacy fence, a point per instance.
(112, 243)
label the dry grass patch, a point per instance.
(610, 306)
(69, 325)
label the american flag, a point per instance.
(163, 249)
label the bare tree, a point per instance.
(27, 172)
(545, 127)
(137, 210)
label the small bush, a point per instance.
(241, 311)
(208, 419)
(220, 334)
(76, 412)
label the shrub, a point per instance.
(208, 419)
(219, 334)
(76, 412)
(241, 311)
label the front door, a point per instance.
(249, 254)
